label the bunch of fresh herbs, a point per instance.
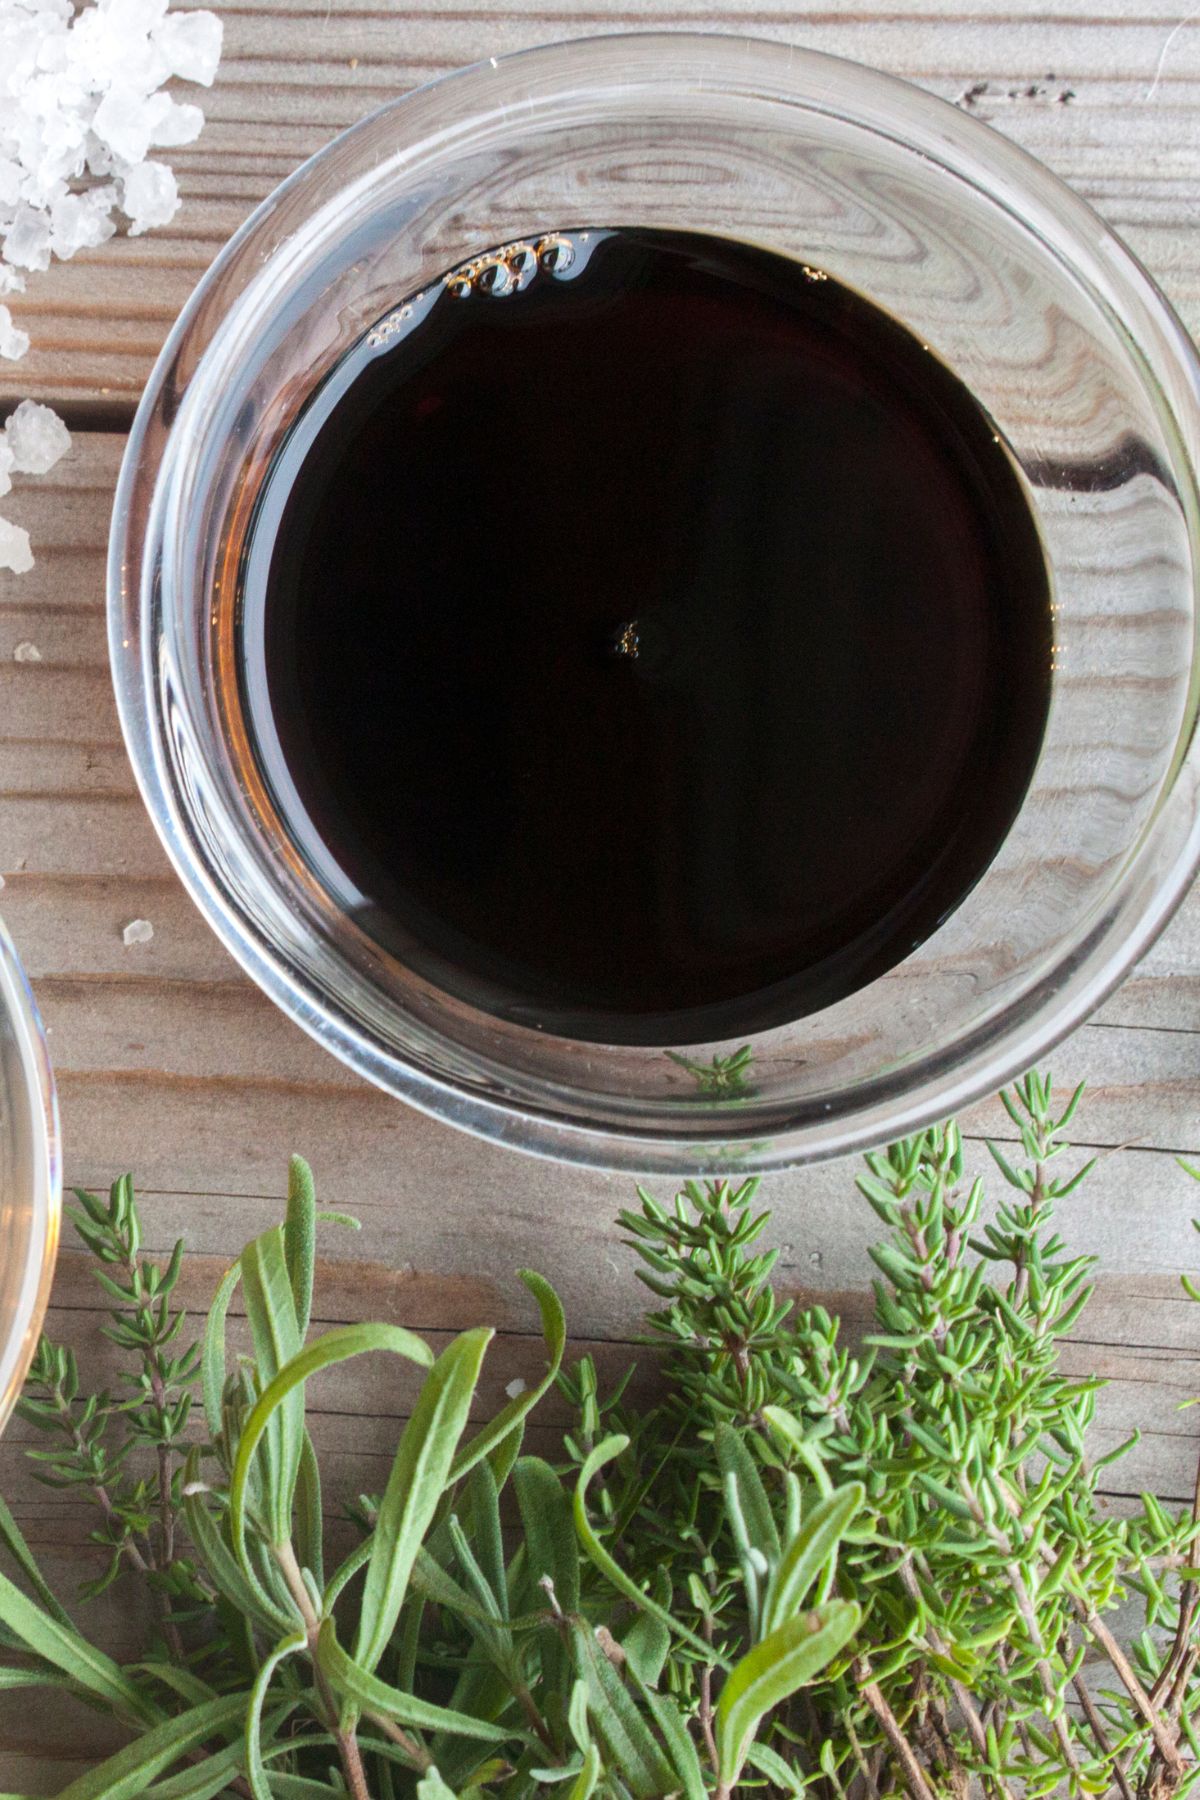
(860, 1569)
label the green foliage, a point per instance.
(857, 1566)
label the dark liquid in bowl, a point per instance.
(647, 637)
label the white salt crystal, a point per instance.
(81, 104)
(27, 239)
(182, 125)
(13, 341)
(37, 438)
(80, 221)
(27, 652)
(515, 1387)
(15, 553)
(138, 931)
(150, 197)
(132, 17)
(126, 120)
(191, 43)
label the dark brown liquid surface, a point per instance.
(653, 653)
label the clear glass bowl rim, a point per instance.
(39, 1209)
(1069, 992)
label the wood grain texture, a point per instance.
(171, 1062)
(1081, 88)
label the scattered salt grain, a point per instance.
(515, 1387)
(13, 341)
(138, 931)
(27, 652)
(15, 553)
(36, 437)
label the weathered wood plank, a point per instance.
(171, 1062)
(1077, 89)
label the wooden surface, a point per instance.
(169, 1062)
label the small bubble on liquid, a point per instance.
(556, 255)
(496, 279)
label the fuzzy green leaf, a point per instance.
(746, 1498)
(128, 1774)
(335, 1346)
(808, 1553)
(275, 1328)
(310, 1523)
(371, 1695)
(212, 1362)
(419, 1475)
(510, 1417)
(680, 1749)
(62, 1646)
(300, 1239)
(588, 1778)
(245, 1596)
(630, 1743)
(256, 1772)
(604, 1453)
(432, 1787)
(772, 1671)
(14, 1542)
(550, 1540)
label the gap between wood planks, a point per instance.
(113, 415)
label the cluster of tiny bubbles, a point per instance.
(402, 319)
(511, 268)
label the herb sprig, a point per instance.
(857, 1567)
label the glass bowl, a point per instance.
(1010, 279)
(30, 1181)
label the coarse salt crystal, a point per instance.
(132, 17)
(138, 931)
(27, 652)
(150, 197)
(80, 221)
(81, 103)
(27, 239)
(191, 43)
(181, 125)
(126, 120)
(36, 437)
(13, 341)
(15, 553)
(515, 1387)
